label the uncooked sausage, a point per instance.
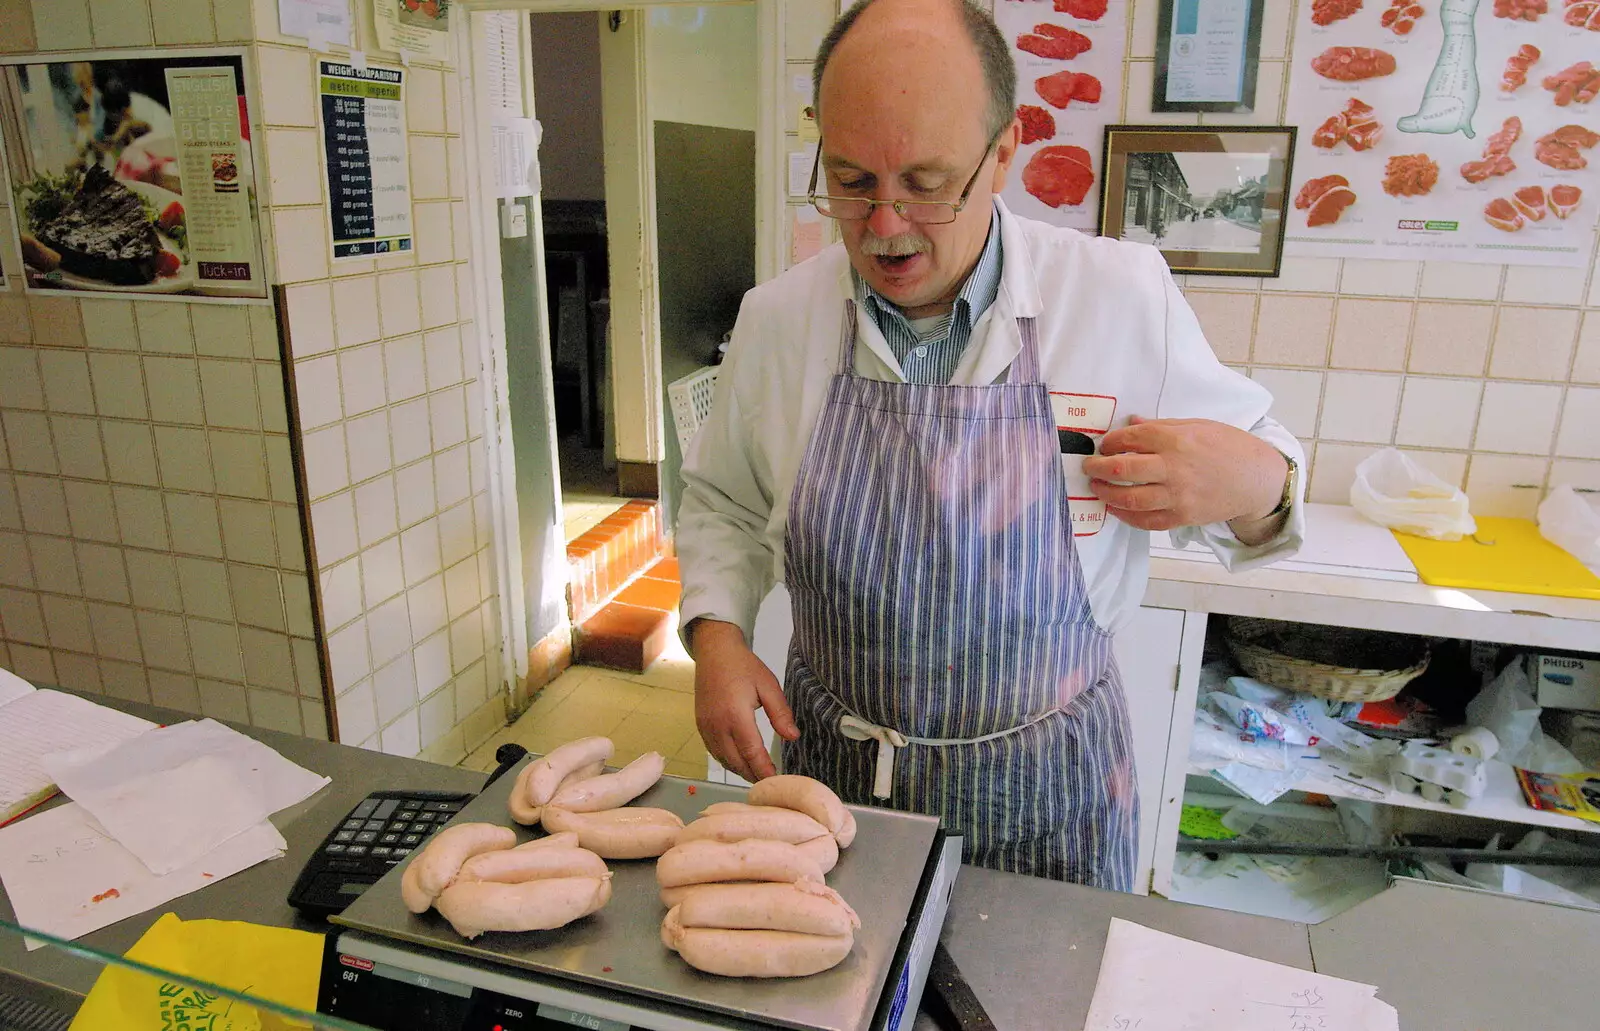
(806, 795)
(515, 865)
(550, 770)
(432, 870)
(611, 790)
(629, 833)
(755, 859)
(473, 907)
(823, 849)
(804, 907)
(520, 800)
(672, 896)
(566, 839)
(773, 823)
(753, 953)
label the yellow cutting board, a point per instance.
(1504, 555)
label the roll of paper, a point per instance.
(1476, 743)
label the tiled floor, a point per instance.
(640, 712)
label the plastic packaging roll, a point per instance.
(1476, 743)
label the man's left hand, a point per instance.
(1157, 474)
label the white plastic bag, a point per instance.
(1570, 522)
(1394, 491)
(1506, 708)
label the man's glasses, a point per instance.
(921, 212)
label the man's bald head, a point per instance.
(938, 23)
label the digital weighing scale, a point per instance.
(396, 971)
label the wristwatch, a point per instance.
(1291, 484)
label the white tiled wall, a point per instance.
(1489, 374)
(151, 542)
(386, 380)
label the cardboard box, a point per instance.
(1566, 681)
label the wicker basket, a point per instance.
(1318, 660)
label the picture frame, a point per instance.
(1211, 198)
(1208, 54)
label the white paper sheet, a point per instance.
(800, 165)
(37, 723)
(1151, 981)
(176, 793)
(320, 21)
(65, 876)
(13, 687)
(1339, 541)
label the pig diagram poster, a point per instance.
(1462, 130)
(1069, 56)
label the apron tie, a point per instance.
(890, 740)
(857, 729)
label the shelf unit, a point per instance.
(1501, 800)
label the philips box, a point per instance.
(1567, 681)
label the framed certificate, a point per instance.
(1207, 55)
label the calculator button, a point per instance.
(367, 837)
(380, 851)
(344, 836)
(352, 825)
(358, 850)
(365, 809)
(385, 809)
(411, 839)
(335, 849)
(372, 825)
(444, 807)
(390, 839)
(400, 852)
(425, 817)
(417, 828)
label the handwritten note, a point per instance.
(65, 876)
(1150, 981)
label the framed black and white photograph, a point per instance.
(1212, 200)
(1207, 55)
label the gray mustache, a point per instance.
(893, 246)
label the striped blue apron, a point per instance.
(945, 659)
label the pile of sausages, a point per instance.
(744, 884)
(480, 879)
(567, 793)
(745, 887)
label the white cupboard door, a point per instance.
(1147, 651)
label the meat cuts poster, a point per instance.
(1450, 129)
(1069, 56)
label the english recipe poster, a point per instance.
(1069, 56)
(1463, 130)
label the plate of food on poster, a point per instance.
(134, 176)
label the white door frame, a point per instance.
(641, 351)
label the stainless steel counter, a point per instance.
(1447, 959)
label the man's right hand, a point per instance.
(730, 684)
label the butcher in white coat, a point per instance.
(949, 437)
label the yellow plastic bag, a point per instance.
(277, 964)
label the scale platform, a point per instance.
(610, 972)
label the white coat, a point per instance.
(1116, 338)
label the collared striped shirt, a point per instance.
(930, 349)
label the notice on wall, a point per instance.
(1462, 130)
(1069, 58)
(364, 152)
(514, 155)
(134, 176)
(420, 28)
(319, 21)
